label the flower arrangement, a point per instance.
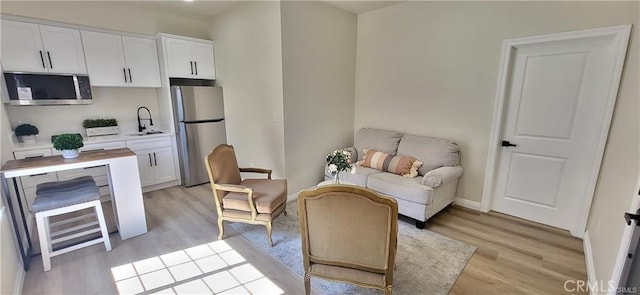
(338, 161)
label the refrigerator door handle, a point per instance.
(203, 121)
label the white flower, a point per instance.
(333, 168)
(353, 170)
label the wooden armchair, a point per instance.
(255, 201)
(349, 234)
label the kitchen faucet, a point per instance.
(140, 126)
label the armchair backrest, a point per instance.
(349, 226)
(222, 166)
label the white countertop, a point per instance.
(45, 143)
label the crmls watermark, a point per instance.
(580, 286)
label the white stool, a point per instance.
(55, 198)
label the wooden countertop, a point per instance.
(52, 161)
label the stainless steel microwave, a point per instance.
(43, 89)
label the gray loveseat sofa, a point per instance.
(421, 197)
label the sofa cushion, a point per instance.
(401, 165)
(376, 139)
(359, 178)
(433, 152)
(399, 187)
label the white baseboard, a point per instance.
(292, 197)
(588, 257)
(467, 204)
(17, 287)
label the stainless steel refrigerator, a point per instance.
(200, 126)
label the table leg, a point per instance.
(126, 197)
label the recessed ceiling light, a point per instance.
(188, 0)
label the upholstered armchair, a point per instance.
(349, 234)
(255, 201)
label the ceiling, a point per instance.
(206, 9)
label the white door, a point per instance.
(202, 54)
(142, 60)
(105, 59)
(22, 47)
(63, 50)
(557, 101)
(179, 58)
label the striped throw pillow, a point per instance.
(405, 166)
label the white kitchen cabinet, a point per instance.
(114, 60)
(155, 160)
(28, 47)
(190, 59)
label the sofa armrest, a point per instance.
(438, 176)
(354, 153)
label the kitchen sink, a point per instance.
(144, 133)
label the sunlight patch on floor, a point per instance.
(213, 268)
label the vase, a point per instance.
(28, 138)
(336, 178)
(70, 154)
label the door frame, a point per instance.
(620, 36)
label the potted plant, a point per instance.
(97, 127)
(68, 144)
(26, 132)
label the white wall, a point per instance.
(248, 55)
(318, 65)
(11, 272)
(431, 68)
(113, 102)
(620, 169)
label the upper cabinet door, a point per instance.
(202, 55)
(63, 48)
(142, 61)
(105, 59)
(179, 59)
(22, 47)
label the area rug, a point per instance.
(426, 262)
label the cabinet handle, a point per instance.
(191, 63)
(155, 159)
(150, 164)
(130, 79)
(49, 56)
(124, 71)
(195, 63)
(37, 174)
(42, 60)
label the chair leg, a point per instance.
(268, 225)
(307, 284)
(388, 290)
(285, 212)
(220, 228)
(103, 226)
(45, 245)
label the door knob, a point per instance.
(507, 143)
(628, 217)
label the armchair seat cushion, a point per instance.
(409, 189)
(268, 194)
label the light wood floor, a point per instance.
(513, 256)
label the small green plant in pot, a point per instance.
(97, 127)
(68, 144)
(26, 132)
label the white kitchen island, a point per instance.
(124, 183)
